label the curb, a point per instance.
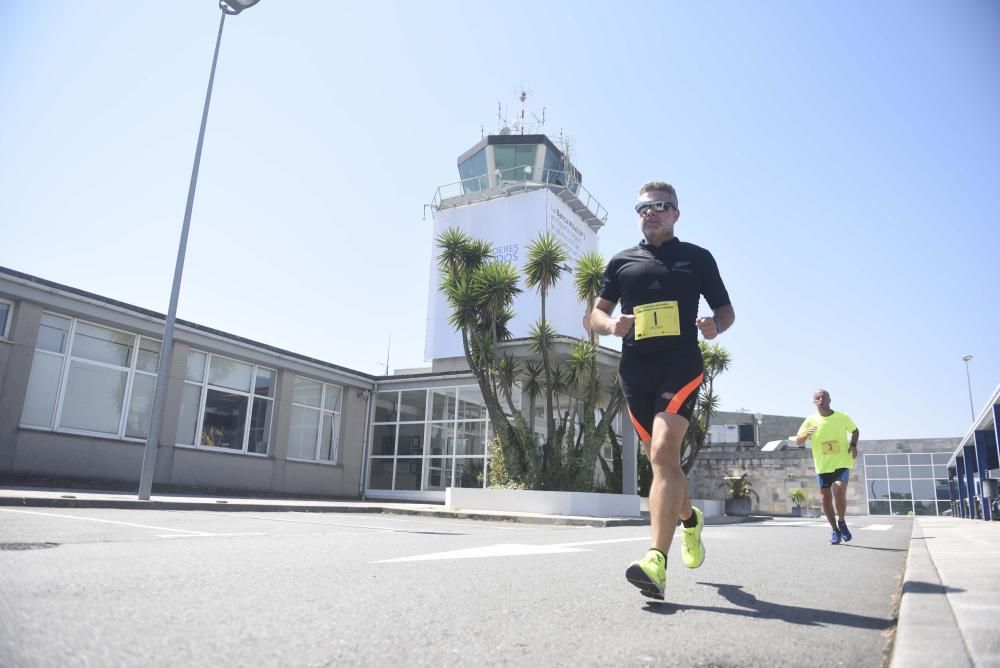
(927, 633)
(230, 506)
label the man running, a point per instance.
(659, 283)
(833, 459)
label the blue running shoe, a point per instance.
(845, 533)
(835, 538)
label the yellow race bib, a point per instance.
(656, 319)
(829, 447)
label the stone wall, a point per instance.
(773, 475)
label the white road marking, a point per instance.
(601, 542)
(502, 550)
(94, 519)
(510, 550)
(213, 535)
(796, 523)
(876, 527)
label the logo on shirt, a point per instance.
(681, 265)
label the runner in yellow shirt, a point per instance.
(833, 458)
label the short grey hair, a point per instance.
(659, 186)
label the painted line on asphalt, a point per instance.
(876, 527)
(613, 540)
(501, 550)
(510, 550)
(425, 529)
(214, 535)
(94, 519)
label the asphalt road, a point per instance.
(103, 587)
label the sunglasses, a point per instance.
(660, 205)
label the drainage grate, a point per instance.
(27, 546)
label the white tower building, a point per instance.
(513, 188)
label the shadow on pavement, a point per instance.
(754, 607)
(917, 587)
(869, 547)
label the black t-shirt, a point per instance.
(675, 271)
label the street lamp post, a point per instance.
(968, 380)
(231, 8)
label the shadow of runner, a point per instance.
(869, 547)
(754, 607)
(917, 587)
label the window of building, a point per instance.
(900, 484)
(429, 439)
(315, 431)
(510, 161)
(6, 309)
(91, 379)
(553, 169)
(226, 403)
(472, 171)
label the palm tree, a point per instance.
(546, 257)
(588, 279)
(480, 292)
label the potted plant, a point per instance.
(798, 500)
(738, 493)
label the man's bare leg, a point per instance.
(827, 496)
(669, 499)
(840, 498)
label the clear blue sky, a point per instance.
(840, 161)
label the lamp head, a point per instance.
(233, 7)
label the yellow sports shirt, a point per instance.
(829, 441)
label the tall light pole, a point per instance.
(966, 358)
(231, 8)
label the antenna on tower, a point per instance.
(524, 96)
(540, 121)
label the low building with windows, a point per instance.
(974, 466)
(77, 375)
(78, 372)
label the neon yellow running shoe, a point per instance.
(649, 574)
(692, 549)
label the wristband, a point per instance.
(718, 327)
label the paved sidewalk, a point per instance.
(949, 614)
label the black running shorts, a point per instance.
(660, 383)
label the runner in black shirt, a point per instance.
(659, 284)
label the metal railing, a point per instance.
(503, 183)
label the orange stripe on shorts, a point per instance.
(685, 392)
(639, 429)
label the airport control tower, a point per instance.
(515, 185)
